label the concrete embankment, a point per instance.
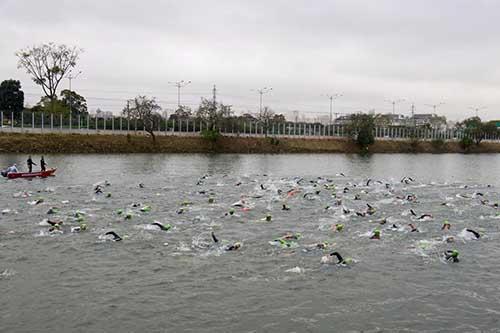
(110, 144)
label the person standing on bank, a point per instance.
(42, 164)
(30, 164)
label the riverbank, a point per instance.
(115, 144)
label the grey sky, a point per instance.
(424, 51)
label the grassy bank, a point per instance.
(109, 144)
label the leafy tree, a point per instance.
(11, 97)
(74, 102)
(477, 130)
(51, 106)
(147, 110)
(361, 129)
(47, 64)
(213, 113)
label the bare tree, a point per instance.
(47, 64)
(266, 117)
(147, 110)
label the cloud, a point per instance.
(424, 51)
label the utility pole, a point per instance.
(71, 77)
(261, 92)
(179, 85)
(477, 109)
(214, 92)
(394, 102)
(435, 106)
(332, 98)
(413, 114)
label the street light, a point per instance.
(393, 102)
(331, 98)
(477, 109)
(179, 85)
(71, 77)
(261, 92)
(434, 106)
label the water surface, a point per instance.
(180, 281)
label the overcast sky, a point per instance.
(424, 51)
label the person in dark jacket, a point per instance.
(30, 164)
(42, 164)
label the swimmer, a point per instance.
(383, 221)
(346, 189)
(55, 226)
(368, 182)
(371, 210)
(338, 227)
(411, 197)
(285, 207)
(232, 247)
(262, 187)
(345, 210)
(362, 214)
(214, 238)
(80, 228)
(451, 255)
(413, 212)
(376, 234)
(290, 236)
(413, 228)
(357, 197)
(407, 180)
(475, 233)
(423, 216)
(98, 189)
(446, 226)
(339, 258)
(55, 223)
(116, 238)
(161, 226)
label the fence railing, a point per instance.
(54, 123)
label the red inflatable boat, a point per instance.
(42, 174)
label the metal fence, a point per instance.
(33, 122)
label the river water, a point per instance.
(181, 280)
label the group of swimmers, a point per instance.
(289, 240)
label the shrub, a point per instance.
(210, 135)
(466, 142)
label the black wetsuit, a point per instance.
(30, 164)
(42, 164)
